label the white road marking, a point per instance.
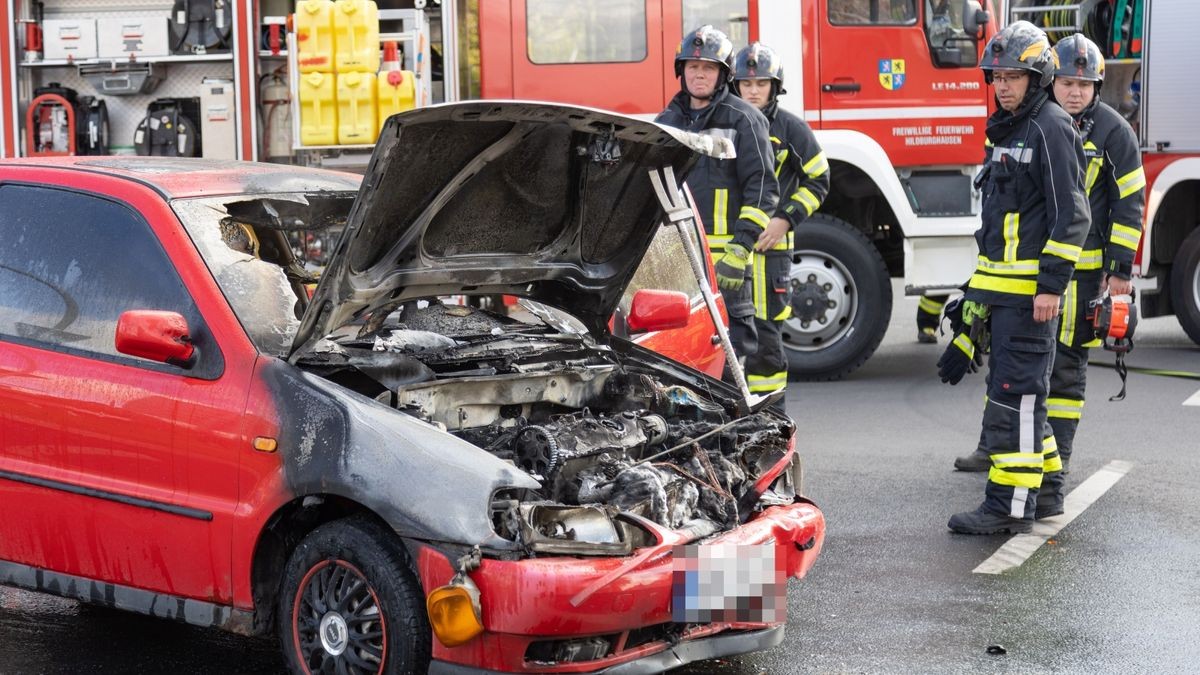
(1017, 550)
(1194, 400)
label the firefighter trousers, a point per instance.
(1068, 380)
(739, 305)
(929, 312)
(1015, 432)
(767, 369)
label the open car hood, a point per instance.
(538, 200)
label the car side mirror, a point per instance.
(974, 17)
(157, 336)
(658, 310)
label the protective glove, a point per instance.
(731, 268)
(959, 359)
(963, 314)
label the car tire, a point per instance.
(1185, 285)
(367, 583)
(841, 300)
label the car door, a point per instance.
(112, 468)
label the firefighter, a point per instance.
(803, 175)
(733, 196)
(1114, 182)
(1034, 222)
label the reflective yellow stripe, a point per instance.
(1027, 460)
(759, 275)
(816, 166)
(767, 383)
(716, 242)
(1066, 327)
(720, 207)
(1064, 408)
(930, 306)
(963, 342)
(1065, 251)
(984, 282)
(1125, 236)
(1051, 461)
(1093, 343)
(1018, 479)
(786, 244)
(1003, 465)
(1093, 172)
(1012, 235)
(1131, 182)
(784, 315)
(780, 158)
(1092, 259)
(754, 215)
(1015, 267)
(807, 199)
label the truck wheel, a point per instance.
(1185, 285)
(841, 300)
(350, 603)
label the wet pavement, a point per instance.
(1117, 590)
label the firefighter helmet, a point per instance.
(1020, 46)
(757, 61)
(1079, 58)
(705, 44)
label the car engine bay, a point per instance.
(605, 433)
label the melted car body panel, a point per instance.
(424, 482)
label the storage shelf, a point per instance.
(177, 58)
(1123, 62)
(266, 54)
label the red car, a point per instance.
(388, 482)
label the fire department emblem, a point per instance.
(891, 73)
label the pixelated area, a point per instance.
(728, 583)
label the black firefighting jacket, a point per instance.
(1115, 185)
(1035, 213)
(733, 196)
(800, 166)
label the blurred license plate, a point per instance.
(732, 583)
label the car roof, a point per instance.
(181, 177)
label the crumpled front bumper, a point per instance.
(625, 601)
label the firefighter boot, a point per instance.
(975, 462)
(982, 521)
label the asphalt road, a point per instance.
(1116, 590)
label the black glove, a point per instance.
(960, 358)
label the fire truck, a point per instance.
(891, 88)
(1151, 82)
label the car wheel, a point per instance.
(1185, 285)
(351, 604)
(841, 300)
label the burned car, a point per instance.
(197, 426)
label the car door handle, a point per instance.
(841, 86)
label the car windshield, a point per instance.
(266, 252)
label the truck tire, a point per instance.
(841, 300)
(1185, 285)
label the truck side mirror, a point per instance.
(974, 17)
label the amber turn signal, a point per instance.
(454, 612)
